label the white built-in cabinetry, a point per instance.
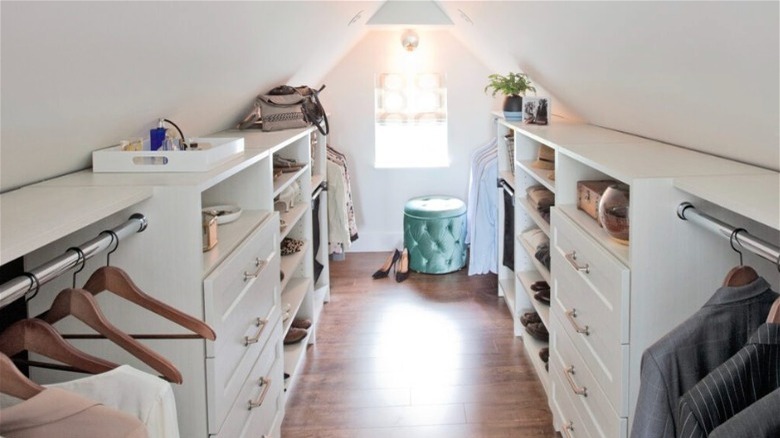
(611, 301)
(233, 386)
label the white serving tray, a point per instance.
(114, 159)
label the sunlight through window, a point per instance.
(411, 120)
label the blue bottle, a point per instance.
(157, 136)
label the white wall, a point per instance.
(380, 194)
(80, 76)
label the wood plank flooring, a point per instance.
(433, 356)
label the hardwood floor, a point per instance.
(431, 357)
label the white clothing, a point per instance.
(147, 397)
(338, 222)
(483, 210)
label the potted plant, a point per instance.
(513, 86)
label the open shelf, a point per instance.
(290, 262)
(229, 236)
(592, 227)
(316, 180)
(532, 348)
(293, 358)
(507, 286)
(507, 176)
(291, 217)
(533, 213)
(539, 267)
(527, 279)
(285, 179)
(293, 295)
(538, 174)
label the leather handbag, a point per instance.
(287, 107)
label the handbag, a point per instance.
(287, 107)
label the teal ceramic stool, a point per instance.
(435, 234)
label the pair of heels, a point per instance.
(401, 271)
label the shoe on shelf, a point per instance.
(295, 335)
(544, 354)
(402, 271)
(538, 331)
(301, 323)
(384, 271)
(529, 317)
(290, 246)
(543, 296)
(540, 285)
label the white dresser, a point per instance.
(611, 301)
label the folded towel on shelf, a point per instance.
(540, 197)
(536, 238)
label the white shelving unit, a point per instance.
(665, 273)
(235, 287)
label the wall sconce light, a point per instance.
(410, 40)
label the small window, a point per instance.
(411, 120)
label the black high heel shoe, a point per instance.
(387, 266)
(402, 271)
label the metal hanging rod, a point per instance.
(762, 248)
(19, 286)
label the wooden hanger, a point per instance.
(118, 282)
(740, 276)
(36, 336)
(14, 383)
(82, 305)
(774, 313)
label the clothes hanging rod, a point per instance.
(19, 286)
(762, 248)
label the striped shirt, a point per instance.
(742, 380)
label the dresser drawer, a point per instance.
(590, 404)
(565, 417)
(594, 331)
(243, 303)
(603, 279)
(259, 408)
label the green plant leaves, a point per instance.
(513, 84)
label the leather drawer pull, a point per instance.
(259, 322)
(571, 314)
(572, 258)
(567, 429)
(264, 383)
(260, 265)
(579, 390)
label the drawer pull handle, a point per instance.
(259, 322)
(571, 314)
(572, 258)
(579, 390)
(568, 428)
(260, 265)
(264, 383)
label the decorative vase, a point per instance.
(513, 108)
(613, 212)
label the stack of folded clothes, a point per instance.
(541, 199)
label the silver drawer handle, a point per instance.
(568, 428)
(572, 258)
(259, 322)
(579, 390)
(260, 265)
(264, 383)
(571, 314)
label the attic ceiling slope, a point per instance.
(656, 69)
(80, 76)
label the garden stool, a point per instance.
(435, 234)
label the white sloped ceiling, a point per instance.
(79, 76)
(702, 75)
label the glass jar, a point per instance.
(613, 212)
